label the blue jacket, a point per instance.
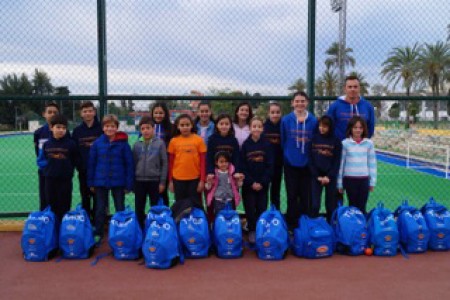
(58, 157)
(296, 138)
(84, 137)
(257, 161)
(325, 154)
(272, 133)
(341, 111)
(217, 143)
(209, 131)
(111, 163)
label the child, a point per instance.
(204, 121)
(324, 159)
(187, 153)
(84, 135)
(110, 168)
(163, 130)
(150, 164)
(57, 158)
(272, 135)
(257, 164)
(224, 188)
(358, 169)
(296, 133)
(41, 135)
(242, 116)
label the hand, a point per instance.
(239, 176)
(92, 189)
(341, 191)
(325, 180)
(371, 188)
(210, 178)
(161, 188)
(200, 186)
(256, 186)
(171, 186)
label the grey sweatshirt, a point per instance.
(150, 160)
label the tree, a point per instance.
(394, 111)
(333, 56)
(435, 63)
(12, 84)
(298, 86)
(402, 64)
(42, 83)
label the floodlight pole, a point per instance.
(340, 6)
(311, 52)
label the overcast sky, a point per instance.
(174, 46)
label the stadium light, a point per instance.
(340, 6)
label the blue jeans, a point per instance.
(102, 195)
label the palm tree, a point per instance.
(333, 59)
(402, 64)
(42, 83)
(330, 81)
(298, 86)
(435, 63)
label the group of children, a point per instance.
(216, 156)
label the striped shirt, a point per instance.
(358, 160)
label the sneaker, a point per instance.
(97, 240)
(252, 237)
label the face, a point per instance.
(357, 130)
(204, 113)
(50, 112)
(299, 103)
(256, 128)
(223, 126)
(323, 128)
(222, 164)
(274, 114)
(147, 131)
(158, 114)
(352, 89)
(88, 114)
(110, 129)
(185, 126)
(243, 113)
(59, 131)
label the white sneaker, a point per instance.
(252, 237)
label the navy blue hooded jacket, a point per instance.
(272, 133)
(217, 143)
(257, 161)
(58, 157)
(84, 137)
(325, 154)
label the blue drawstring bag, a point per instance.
(39, 238)
(76, 238)
(383, 231)
(412, 228)
(227, 234)
(350, 230)
(313, 238)
(272, 239)
(194, 234)
(125, 235)
(437, 217)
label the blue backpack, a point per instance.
(413, 229)
(228, 234)
(76, 238)
(438, 220)
(272, 239)
(194, 234)
(161, 247)
(383, 231)
(313, 238)
(39, 238)
(125, 235)
(156, 210)
(350, 230)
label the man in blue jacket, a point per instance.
(350, 105)
(84, 136)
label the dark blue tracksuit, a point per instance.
(40, 136)
(218, 143)
(273, 136)
(257, 166)
(84, 137)
(325, 156)
(57, 160)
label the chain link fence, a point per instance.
(184, 51)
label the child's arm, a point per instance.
(341, 169)
(372, 164)
(164, 167)
(129, 168)
(171, 160)
(201, 184)
(311, 163)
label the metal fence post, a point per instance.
(101, 44)
(311, 52)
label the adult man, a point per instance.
(350, 105)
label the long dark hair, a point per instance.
(352, 122)
(211, 117)
(219, 118)
(166, 121)
(176, 131)
(250, 112)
